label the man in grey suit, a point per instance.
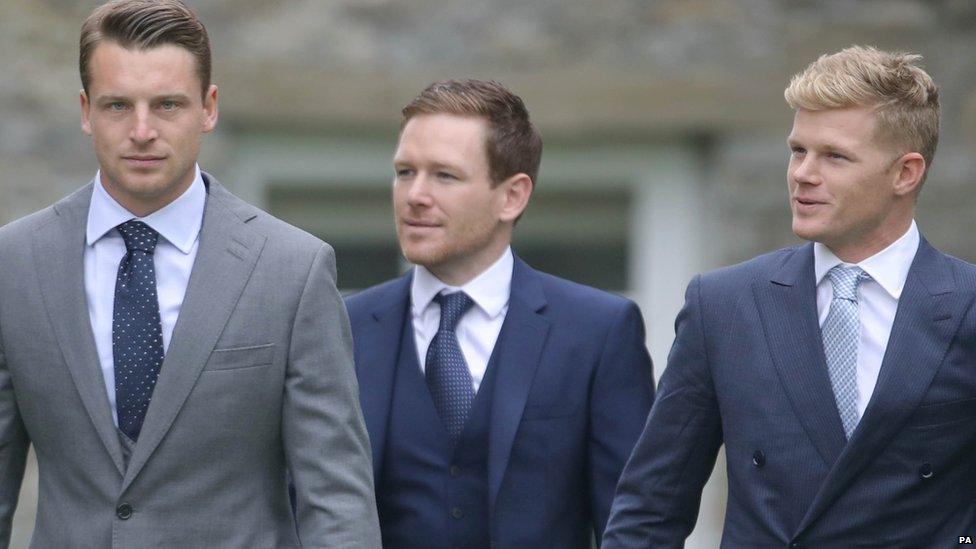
(171, 352)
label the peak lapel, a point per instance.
(226, 256)
(520, 345)
(788, 307)
(928, 315)
(59, 250)
(377, 350)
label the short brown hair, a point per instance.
(513, 144)
(905, 98)
(145, 24)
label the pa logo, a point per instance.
(965, 540)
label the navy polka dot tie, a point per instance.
(137, 334)
(448, 377)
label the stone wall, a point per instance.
(708, 71)
(671, 69)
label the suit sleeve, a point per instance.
(623, 390)
(13, 451)
(324, 435)
(659, 493)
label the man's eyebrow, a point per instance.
(793, 141)
(110, 98)
(160, 97)
(175, 95)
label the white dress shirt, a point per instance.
(877, 302)
(178, 225)
(477, 330)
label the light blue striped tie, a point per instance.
(840, 336)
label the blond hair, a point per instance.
(905, 99)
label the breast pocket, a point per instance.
(240, 358)
(943, 413)
(549, 412)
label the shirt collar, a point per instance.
(489, 290)
(178, 222)
(889, 267)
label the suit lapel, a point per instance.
(788, 307)
(519, 349)
(929, 312)
(226, 256)
(59, 249)
(377, 350)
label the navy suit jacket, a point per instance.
(747, 369)
(573, 387)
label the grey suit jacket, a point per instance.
(258, 380)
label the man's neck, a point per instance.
(856, 252)
(467, 269)
(144, 206)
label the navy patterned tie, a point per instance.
(137, 334)
(448, 377)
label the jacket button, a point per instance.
(455, 471)
(758, 458)
(925, 471)
(124, 511)
(794, 545)
(457, 513)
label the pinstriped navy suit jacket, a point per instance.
(747, 369)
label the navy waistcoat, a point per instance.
(432, 494)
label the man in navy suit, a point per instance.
(840, 374)
(501, 402)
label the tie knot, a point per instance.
(452, 307)
(138, 236)
(845, 281)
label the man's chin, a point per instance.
(413, 255)
(423, 257)
(806, 232)
(139, 183)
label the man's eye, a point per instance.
(169, 105)
(836, 156)
(116, 106)
(404, 172)
(446, 175)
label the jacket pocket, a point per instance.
(240, 358)
(549, 412)
(943, 413)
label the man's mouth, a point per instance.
(420, 224)
(143, 160)
(808, 201)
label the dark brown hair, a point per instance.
(513, 145)
(145, 24)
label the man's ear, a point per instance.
(518, 190)
(211, 112)
(909, 170)
(85, 110)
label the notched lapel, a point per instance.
(788, 307)
(377, 351)
(929, 312)
(59, 250)
(226, 256)
(522, 339)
